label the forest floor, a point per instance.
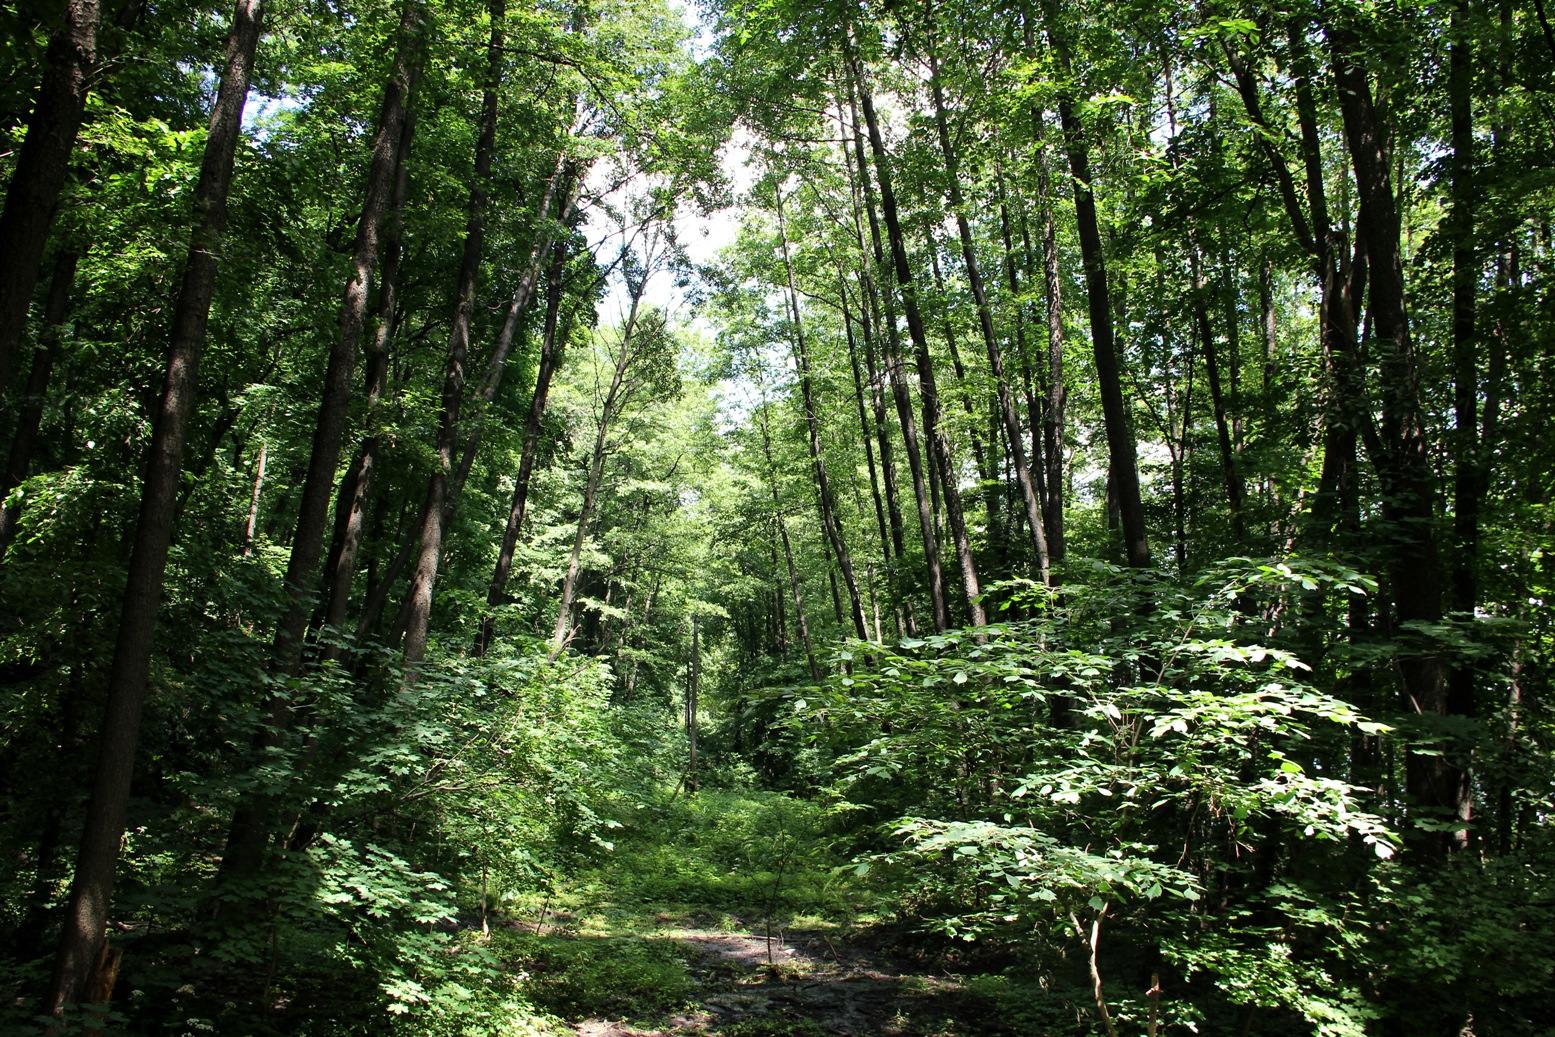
(697, 973)
(733, 917)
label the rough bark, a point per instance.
(86, 914)
(42, 163)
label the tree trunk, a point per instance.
(1235, 492)
(833, 527)
(788, 551)
(1057, 391)
(892, 359)
(41, 165)
(253, 501)
(987, 466)
(552, 344)
(357, 487)
(249, 829)
(625, 355)
(1402, 456)
(1012, 430)
(933, 423)
(864, 420)
(82, 934)
(691, 704)
(1122, 455)
(1468, 481)
(28, 421)
(440, 492)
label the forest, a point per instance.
(777, 518)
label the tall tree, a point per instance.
(439, 501)
(83, 931)
(32, 196)
(1122, 451)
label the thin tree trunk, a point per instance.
(933, 424)
(625, 354)
(44, 358)
(86, 914)
(892, 359)
(552, 344)
(1012, 430)
(496, 364)
(788, 552)
(1057, 391)
(440, 492)
(691, 704)
(864, 422)
(1235, 493)
(42, 162)
(1468, 481)
(833, 527)
(357, 488)
(987, 470)
(1122, 452)
(253, 501)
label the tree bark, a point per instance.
(900, 393)
(829, 522)
(1468, 481)
(441, 490)
(86, 914)
(1235, 492)
(933, 416)
(625, 355)
(1122, 452)
(552, 344)
(864, 421)
(1012, 431)
(356, 489)
(30, 419)
(1401, 456)
(42, 162)
(788, 551)
(249, 829)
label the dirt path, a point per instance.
(799, 985)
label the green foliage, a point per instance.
(625, 977)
